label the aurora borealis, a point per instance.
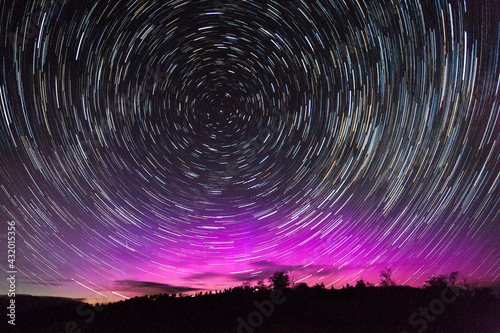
(160, 146)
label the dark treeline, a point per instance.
(441, 305)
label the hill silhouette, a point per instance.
(437, 307)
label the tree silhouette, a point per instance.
(452, 278)
(261, 285)
(360, 284)
(247, 285)
(386, 279)
(279, 280)
(441, 281)
(318, 286)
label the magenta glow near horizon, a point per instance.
(176, 146)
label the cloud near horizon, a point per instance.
(264, 269)
(151, 287)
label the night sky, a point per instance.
(172, 146)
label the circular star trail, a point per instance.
(197, 144)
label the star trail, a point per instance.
(194, 145)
